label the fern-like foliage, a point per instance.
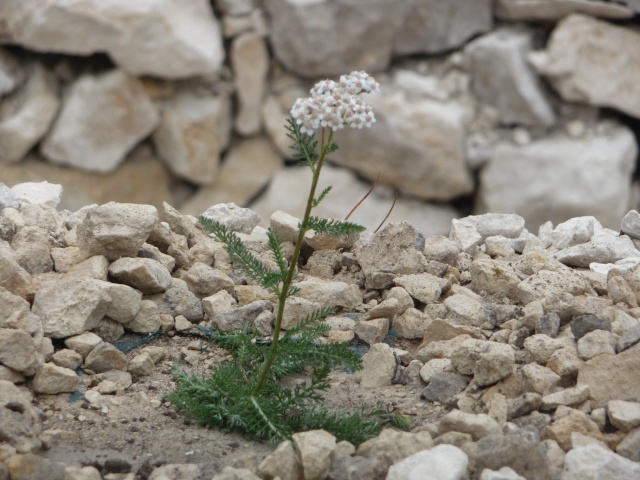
(227, 400)
(241, 257)
(335, 228)
(316, 201)
(275, 244)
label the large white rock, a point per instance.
(27, 114)
(320, 38)
(416, 146)
(596, 461)
(171, 38)
(116, 229)
(501, 77)
(40, 193)
(193, 131)
(442, 462)
(103, 117)
(558, 178)
(72, 307)
(433, 26)
(594, 62)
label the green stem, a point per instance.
(286, 284)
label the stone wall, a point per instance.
(524, 106)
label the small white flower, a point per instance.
(334, 104)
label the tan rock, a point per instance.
(52, 379)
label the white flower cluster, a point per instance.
(334, 104)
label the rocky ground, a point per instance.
(514, 355)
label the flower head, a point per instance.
(334, 104)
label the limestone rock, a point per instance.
(125, 302)
(67, 358)
(520, 450)
(395, 445)
(185, 39)
(624, 415)
(314, 449)
(295, 34)
(575, 421)
(18, 351)
(596, 461)
(72, 307)
(444, 386)
(234, 218)
(52, 379)
(607, 375)
(13, 277)
(412, 323)
(83, 343)
(296, 310)
(422, 32)
(513, 179)
(567, 397)
(478, 425)
(394, 249)
(116, 229)
(102, 118)
(40, 193)
(27, 114)
(372, 331)
(630, 445)
(424, 287)
(574, 63)
(442, 461)
(502, 77)
(283, 463)
(145, 274)
(141, 365)
(419, 154)
(105, 357)
(178, 300)
(193, 131)
(434, 366)
(378, 366)
(147, 318)
(330, 294)
(241, 317)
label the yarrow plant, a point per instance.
(246, 394)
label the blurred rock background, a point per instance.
(523, 106)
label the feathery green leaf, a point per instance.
(241, 257)
(321, 197)
(335, 228)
